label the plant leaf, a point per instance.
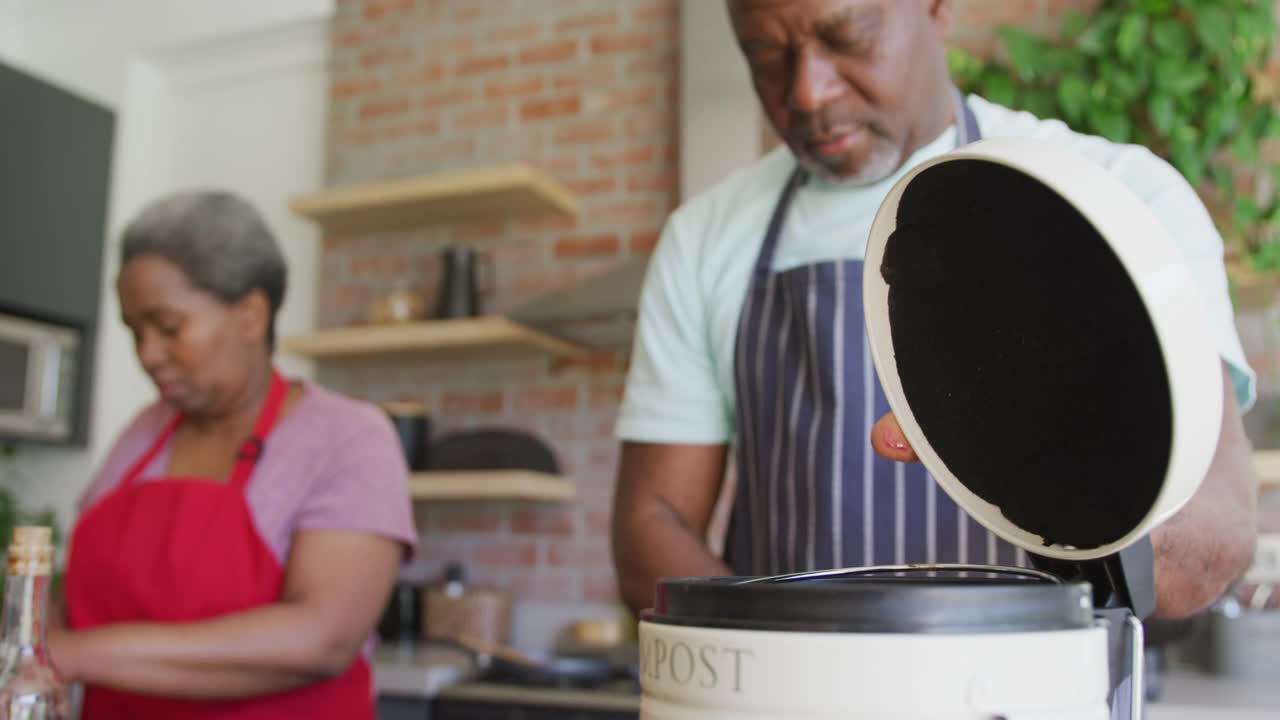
(1245, 147)
(1221, 120)
(1074, 23)
(1266, 256)
(1156, 7)
(1041, 103)
(1188, 159)
(1122, 82)
(1214, 27)
(1178, 77)
(1109, 123)
(1097, 38)
(1073, 94)
(1172, 37)
(999, 88)
(964, 66)
(1163, 112)
(1223, 181)
(1024, 52)
(1131, 35)
(1246, 212)
(1256, 121)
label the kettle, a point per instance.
(460, 282)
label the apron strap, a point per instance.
(252, 449)
(135, 471)
(967, 130)
(764, 260)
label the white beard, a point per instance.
(883, 162)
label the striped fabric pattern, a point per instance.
(812, 493)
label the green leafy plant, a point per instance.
(1181, 77)
(11, 514)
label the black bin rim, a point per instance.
(914, 605)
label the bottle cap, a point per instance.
(31, 552)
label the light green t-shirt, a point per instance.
(681, 387)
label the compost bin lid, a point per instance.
(1042, 343)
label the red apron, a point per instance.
(183, 550)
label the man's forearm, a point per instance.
(653, 544)
(1209, 544)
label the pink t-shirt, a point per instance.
(331, 463)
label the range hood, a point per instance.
(598, 313)
(721, 129)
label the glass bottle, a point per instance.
(30, 688)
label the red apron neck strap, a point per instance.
(136, 470)
(249, 452)
(252, 449)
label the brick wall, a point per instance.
(586, 90)
(974, 19)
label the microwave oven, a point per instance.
(38, 372)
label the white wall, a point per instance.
(721, 130)
(86, 44)
(720, 119)
(207, 92)
(8, 35)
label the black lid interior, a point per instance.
(1026, 353)
(881, 605)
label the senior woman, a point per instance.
(234, 553)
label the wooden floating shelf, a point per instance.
(474, 335)
(495, 193)
(1267, 464)
(490, 485)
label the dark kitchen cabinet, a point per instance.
(55, 167)
(53, 196)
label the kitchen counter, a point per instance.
(414, 680)
(420, 671)
(1192, 695)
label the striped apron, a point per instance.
(812, 494)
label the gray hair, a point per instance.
(218, 240)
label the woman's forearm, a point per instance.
(267, 649)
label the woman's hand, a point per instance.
(62, 645)
(889, 442)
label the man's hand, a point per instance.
(889, 442)
(1203, 548)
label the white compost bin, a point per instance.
(1004, 238)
